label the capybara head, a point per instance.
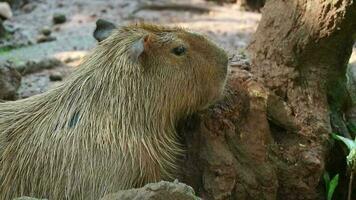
(186, 70)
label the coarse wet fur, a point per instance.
(111, 125)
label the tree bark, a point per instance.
(269, 139)
(228, 144)
(301, 50)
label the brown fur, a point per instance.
(111, 125)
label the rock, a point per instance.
(152, 191)
(11, 28)
(59, 18)
(45, 38)
(5, 10)
(34, 66)
(15, 4)
(33, 84)
(103, 29)
(156, 191)
(55, 76)
(27, 8)
(60, 5)
(46, 31)
(240, 60)
(71, 56)
(10, 81)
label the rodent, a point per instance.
(111, 124)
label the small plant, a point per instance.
(351, 158)
(330, 185)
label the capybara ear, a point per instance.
(140, 46)
(147, 39)
(103, 29)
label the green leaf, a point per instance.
(348, 142)
(326, 177)
(332, 186)
(351, 159)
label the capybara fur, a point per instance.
(111, 124)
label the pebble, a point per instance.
(32, 66)
(55, 76)
(5, 10)
(46, 31)
(59, 18)
(10, 80)
(29, 7)
(44, 38)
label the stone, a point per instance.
(55, 76)
(5, 10)
(103, 29)
(29, 7)
(156, 191)
(32, 66)
(59, 18)
(46, 31)
(44, 38)
(10, 81)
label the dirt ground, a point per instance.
(226, 24)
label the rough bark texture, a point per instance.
(270, 138)
(228, 144)
(301, 50)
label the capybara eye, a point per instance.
(179, 50)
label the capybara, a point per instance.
(111, 124)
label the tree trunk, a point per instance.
(269, 138)
(228, 144)
(301, 50)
